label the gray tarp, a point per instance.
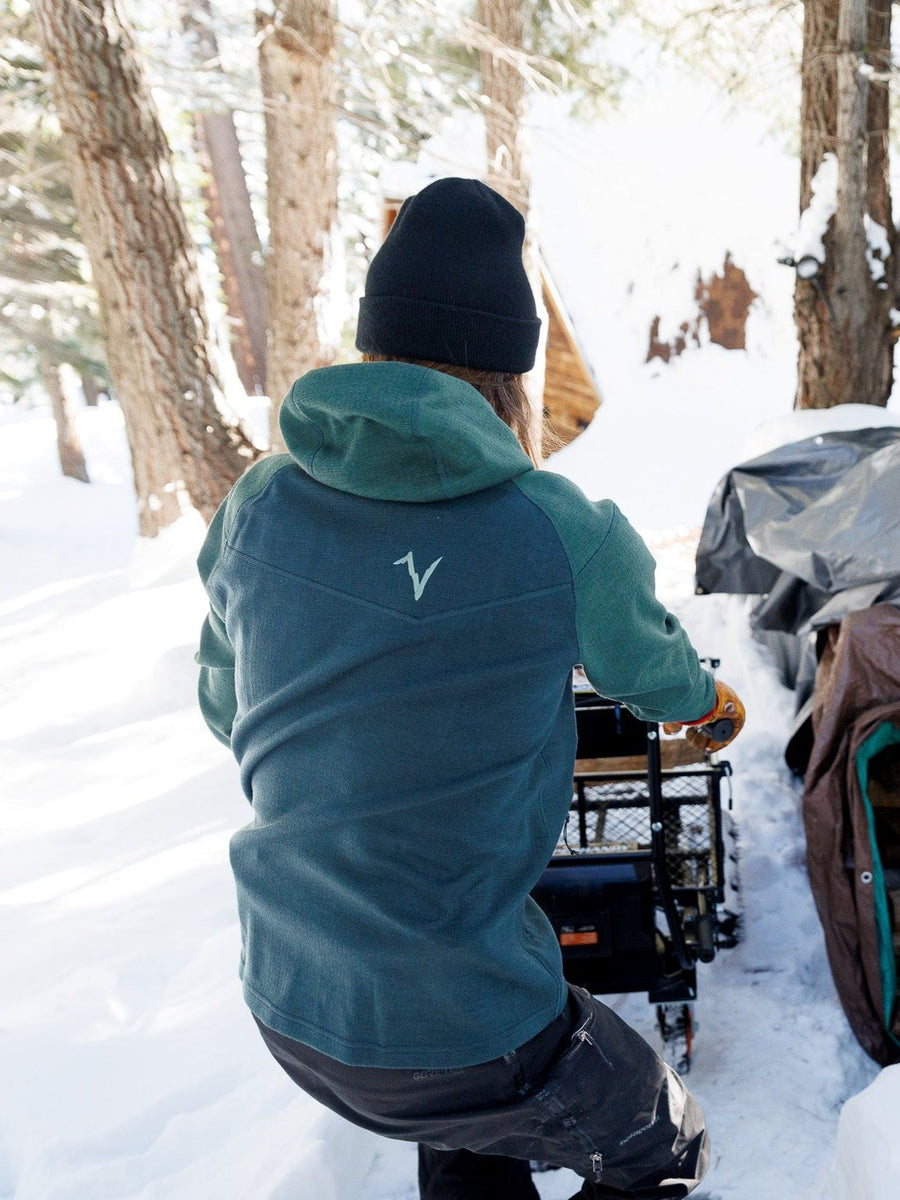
(812, 527)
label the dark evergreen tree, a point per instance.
(48, 309)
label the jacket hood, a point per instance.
(398, 431)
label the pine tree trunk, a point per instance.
(143, 263)
(843, 324)
(503, 83)
(230, 213)
(68, 444)
(509, 173)
(238, 248)
(90, 390)
(296, 61)
(878, 118)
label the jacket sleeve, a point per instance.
(633, 649)
(216, 691)
(216, 688)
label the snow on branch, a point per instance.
(810, 241)
(878, 248)
(814, 219)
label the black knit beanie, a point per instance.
(448, 284)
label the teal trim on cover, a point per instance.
(885, 735)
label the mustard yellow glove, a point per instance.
(718, 727)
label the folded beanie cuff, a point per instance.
(406, 327)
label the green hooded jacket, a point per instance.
(396, 606)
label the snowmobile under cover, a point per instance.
(813, 528)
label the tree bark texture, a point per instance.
(297, 69)
(143, 263)
(503, 84)
(230, 214)
(68, 444)
(90, 389)
(842, 317)
(878, 115)
(509, 172)
(238, 248)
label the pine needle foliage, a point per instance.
(48, 310)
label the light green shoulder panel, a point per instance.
(583, 525)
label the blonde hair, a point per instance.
(504, 392)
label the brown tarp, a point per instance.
(857, 691)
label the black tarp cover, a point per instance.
(814, 525)
(813, 528)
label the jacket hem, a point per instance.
(366, 1054)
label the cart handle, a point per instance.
(717, 731)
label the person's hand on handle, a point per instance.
(718, 727)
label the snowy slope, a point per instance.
(130, 1068)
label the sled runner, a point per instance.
(641, 885)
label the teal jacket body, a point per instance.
(396, 606)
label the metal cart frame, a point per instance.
(637, 889)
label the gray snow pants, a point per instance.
(586, 1093)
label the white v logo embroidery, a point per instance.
(418, 584)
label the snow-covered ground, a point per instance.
(130, 1068)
